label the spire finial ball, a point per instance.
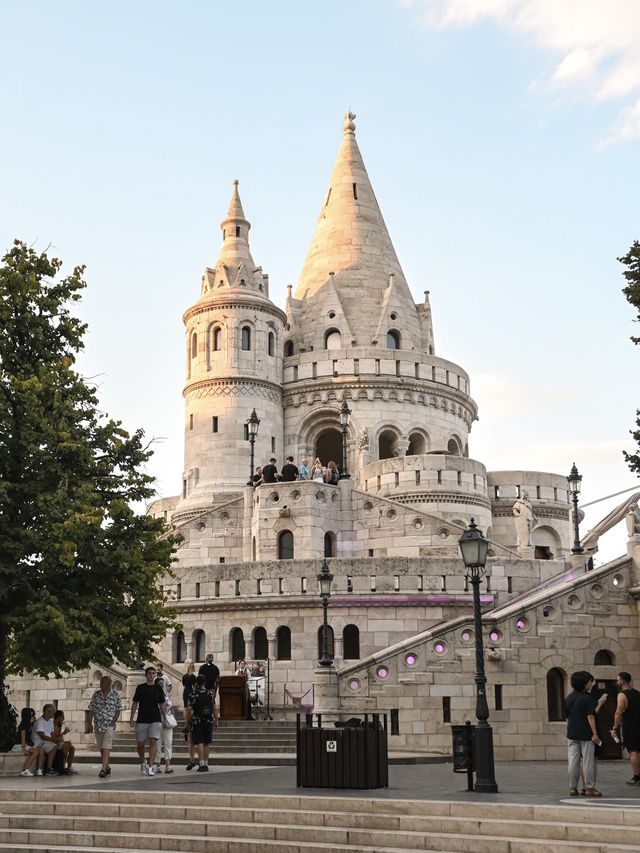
(236, 182)
(348, 121)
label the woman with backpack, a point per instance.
(332, 474)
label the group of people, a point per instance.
(42, 742)
(583, 737)
(290, 472)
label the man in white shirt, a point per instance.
(160, 673)
(42, 736)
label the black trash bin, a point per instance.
(343, 757)
(462, 737)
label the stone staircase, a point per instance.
(234, 742)
(107, 821)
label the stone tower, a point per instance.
(234, 340)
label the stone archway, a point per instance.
(329, 446)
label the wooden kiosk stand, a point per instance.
(234, 697)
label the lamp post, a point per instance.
(345, 414)
(474, 547)
(325, 577)
(575, 480)
(252, 426)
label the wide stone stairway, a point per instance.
(105, 821)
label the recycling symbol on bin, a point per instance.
(332, 746)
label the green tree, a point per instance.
(80, 569)
(632, 291)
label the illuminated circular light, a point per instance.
(467, 636)
(495, 636)
(355, 684)
(382, 672)
(522, 624)
(440, 648)
(410, 660)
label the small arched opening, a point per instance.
(604, 657)
(216, 339)
(387, 444)
(285, 545)
(179, 647)
(330, 641)
(246, 338)
(393, 339)
(260, 644)
(555, 695)
(453, 447)
(330, 544)
(288, 348)
(332, 339)
(194, 345)
(199, 646)
(351, 642)
(417, 444)
(283, 643)
(271, 344)
(237, 644)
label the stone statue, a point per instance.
(633, 521)
(364, 439)
(524, 520)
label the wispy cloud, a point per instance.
(596, 44)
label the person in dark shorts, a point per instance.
(200, 705)
(628, 713)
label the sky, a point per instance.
(502, 139)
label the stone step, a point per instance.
(97, 820)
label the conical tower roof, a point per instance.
(235, 267)
(351, 251)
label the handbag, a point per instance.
(171, 721)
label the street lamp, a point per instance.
(325, 577)
(575, 480)
(474, 548)
(252, 427)
(345, 414)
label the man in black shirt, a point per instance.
(257, 477)
(270, 472)
(289, 471)
(628, 713)
(211, 675)
(582, 735)
(151, 715)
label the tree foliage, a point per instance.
(80, 569)
(631, 262)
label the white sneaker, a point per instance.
(144, 767)
(151, 771)
(39, 772)
(26, 773)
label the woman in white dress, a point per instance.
(317, 472)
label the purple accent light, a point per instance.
(410, 660)
(382, 672)
(495, 636)
(406, 601)
(521, 624)
(354, 684)
(439, 647)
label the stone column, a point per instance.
(325, 690)
(247, 551)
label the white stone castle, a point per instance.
(400, 612)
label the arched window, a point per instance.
(271, 343)
(330, 639)
(288, 348)
(393, 339)
(217, 339)
(194, 345)
(330, 544)
(179, 648)
(332, 339)
(387, 444)
(604, 658)
(417, 444)
(453, 447)
(283, 643)
(555, 695)
(199, 646)
(237, 644)
(351, 642)
(246, 338)
(285, 545)
(260, 644)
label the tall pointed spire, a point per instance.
(235, 266)
(351, 249)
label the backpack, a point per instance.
(203, 704)
(332, 476)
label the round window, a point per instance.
(410, 659)
(382, 672)
(354, 684)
